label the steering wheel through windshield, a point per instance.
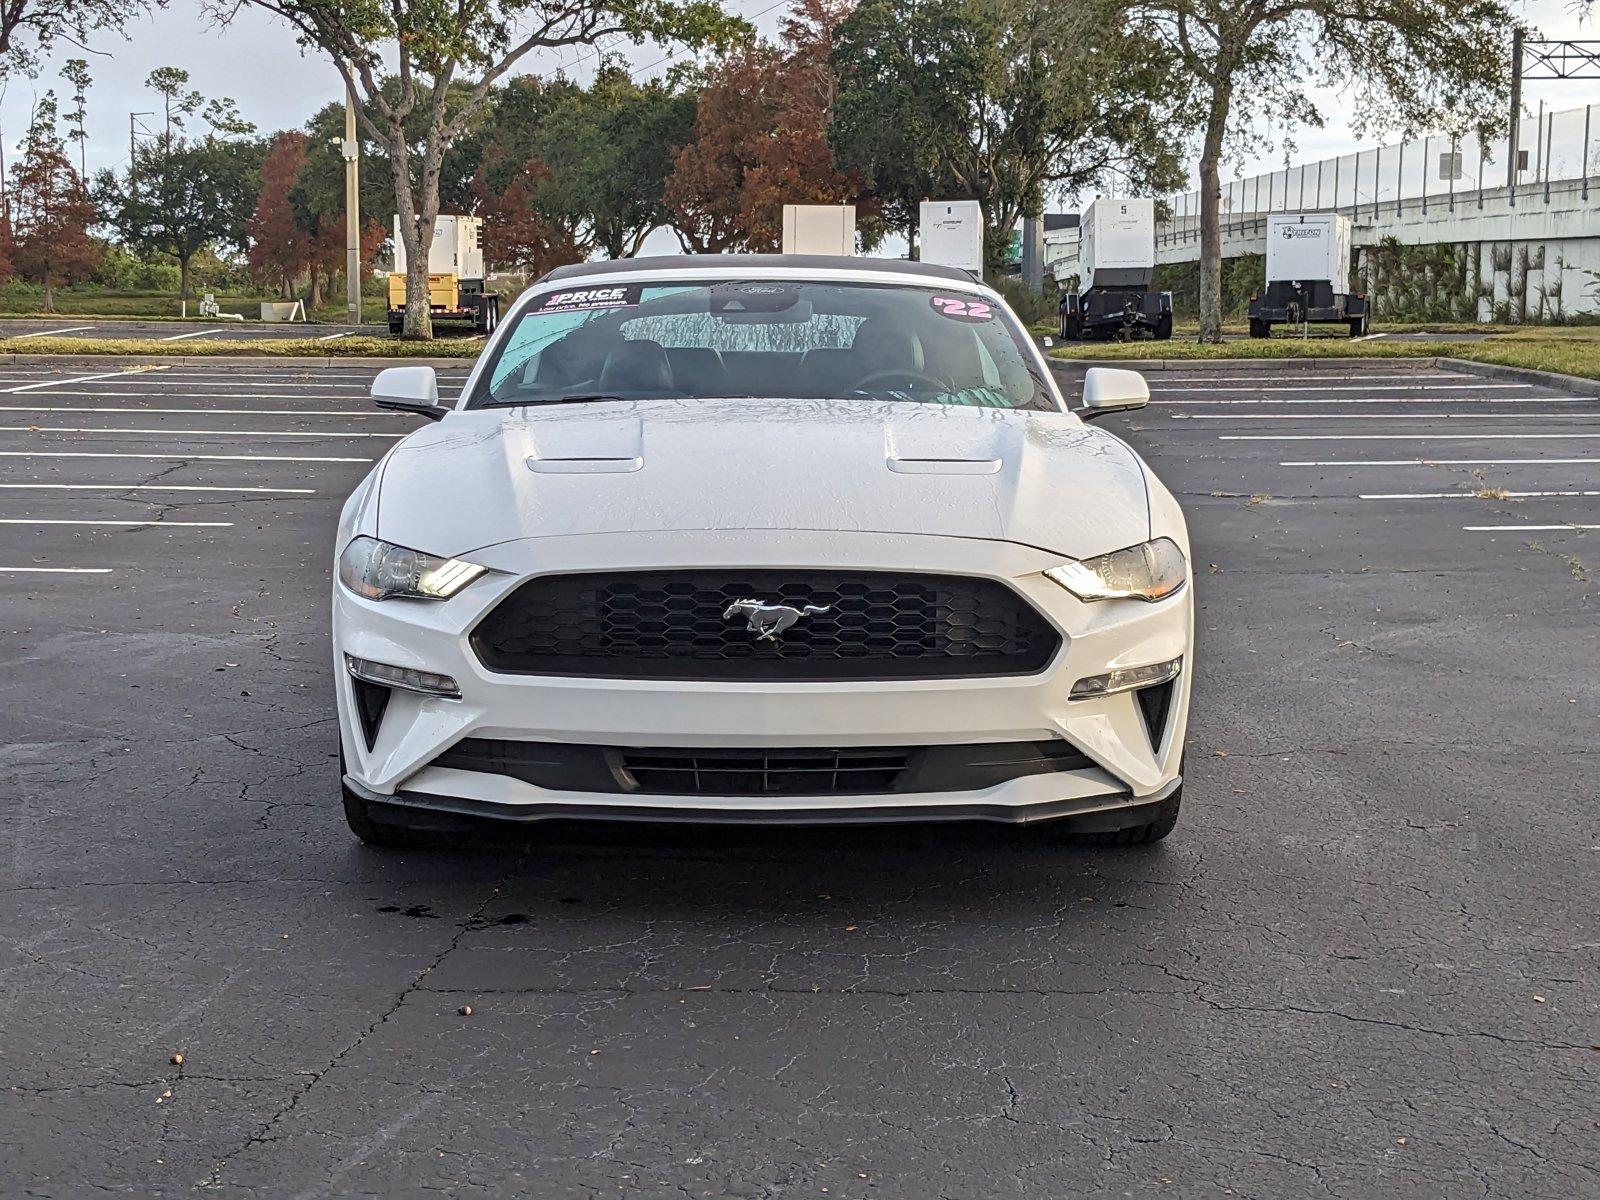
(905, 374)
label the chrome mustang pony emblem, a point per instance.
(769, 621)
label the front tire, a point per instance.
(1260, 329)
(1164, 821)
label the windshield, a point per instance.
(762, 339)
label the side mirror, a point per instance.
(409, 390)
(1109, 390)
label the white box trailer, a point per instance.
(456, 248)
(457, 277)
(951, 233)
(1116, 262)
(1308, 275)
(1307, 246)
(819, 229)
(1117, 243)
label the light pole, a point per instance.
(351, 150)
(133, 143)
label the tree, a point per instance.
(1409, 63)
(472, 43)
(533, 219)
(178, 100)
(76, 72)
(761, 139)
(51, 213)
(279, 250)
(608, 149)
(517, 232)
(29, 28)
(999, 101)
(179, 198)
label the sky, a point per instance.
(256, 61)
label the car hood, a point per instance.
(485, 476)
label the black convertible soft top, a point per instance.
(735, 262)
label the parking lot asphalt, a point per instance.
(1363, 966)
(24, 329)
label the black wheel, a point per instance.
(395, 327)
(1163, 331)
(1165, 820)
(1071, 329)
(358, 815)
(1358, 327)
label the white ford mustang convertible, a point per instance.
(762, 539)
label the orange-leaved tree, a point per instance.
(761, 139)
(50, 209)
(280, 251)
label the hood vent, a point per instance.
(566, 446)
(944, 466)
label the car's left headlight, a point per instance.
(381, 570)
(1152, 570)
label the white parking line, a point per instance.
(334, 337)
(1402, 437)
(286, 379)
(178, 337)
(1498, 495)
(1397, 400)
(198, 412)
(333, 376)
(45, 383)
(117, 524)
(1364, 386)
(1520, 528)
(362, 401)
(176, 455)
(55, 570)
(1427, 416)
(149, 487)
(1438, 462)
(51, 332)
(332, 436)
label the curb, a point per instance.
(80, 361)
(1568, 383)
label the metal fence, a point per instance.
(1558, 152)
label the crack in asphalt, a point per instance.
(264, 1133)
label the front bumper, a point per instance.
(1105, 813)
(1131, 764)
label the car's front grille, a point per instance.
(761, 771)
(845, 625)
(764, 772)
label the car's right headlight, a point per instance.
(381, 570)
(1152, 570)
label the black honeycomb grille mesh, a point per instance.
(671, 625)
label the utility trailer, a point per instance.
(1117, 258)
(1308, 276)
(458, 291)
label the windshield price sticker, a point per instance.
(583, 299)
(958, 309)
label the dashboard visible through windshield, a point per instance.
(761, 339)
